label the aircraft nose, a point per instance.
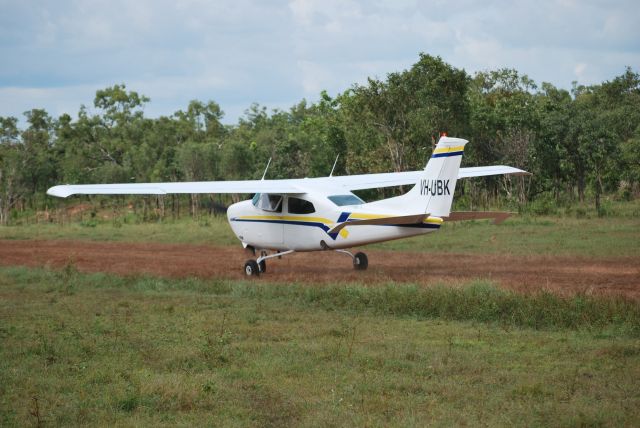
(235, 209)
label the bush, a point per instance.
(544, 204)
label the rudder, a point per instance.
(433, 193)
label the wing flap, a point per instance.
(405, 219)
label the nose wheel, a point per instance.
(254, 268)
(251, 268)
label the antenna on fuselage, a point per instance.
(265, 170)
(334, 165)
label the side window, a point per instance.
(268, 202)
(300, 206)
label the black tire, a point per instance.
(263, 266)
(251, 268)
(360, 261)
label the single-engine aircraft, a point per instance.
(314, 214)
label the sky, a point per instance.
(56, 54)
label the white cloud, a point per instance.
(56, 55)
(579, 70)
(14, 101)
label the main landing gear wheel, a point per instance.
(262, 266)
(360, 261)
(251, 268)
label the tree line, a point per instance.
(580, 144)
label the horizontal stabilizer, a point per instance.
(404, 219)
(497, 216)
(483, 171)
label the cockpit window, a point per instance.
(342, 200)
(300, 206)
(267, 202)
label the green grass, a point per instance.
(521, 235)
(106, 350)
(598, 237)
(210, 230)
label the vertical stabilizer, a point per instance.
(433, 193)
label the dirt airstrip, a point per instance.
(562, 274)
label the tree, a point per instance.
(11, 163)
(550, 163)
(410, 109)
(108, 136)
(631, 159)
(40, 161)
(504, 122)
(606, 116)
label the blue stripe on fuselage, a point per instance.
(326, 228)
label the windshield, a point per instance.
(268, 202)
(342, 200)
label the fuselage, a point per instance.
(303, 222)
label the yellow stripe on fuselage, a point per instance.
(287, 218)
(364, 216)
(329, 223)
(448, 150)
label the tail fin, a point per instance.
(433, 193)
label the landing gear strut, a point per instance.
(360, 260)
(256, 267)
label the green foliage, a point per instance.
(408, 111)
(578, 144)
(544, 204)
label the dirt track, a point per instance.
(565, 275)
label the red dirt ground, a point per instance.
(561, 274)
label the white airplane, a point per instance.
(312, 214)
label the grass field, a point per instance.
(98, 349)
(80, 349)
(589, 237)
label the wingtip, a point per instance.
(522, 172)
(59, 191)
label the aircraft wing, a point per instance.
(245, 186)
(290, 186)
(365, 181)
(389, 179)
